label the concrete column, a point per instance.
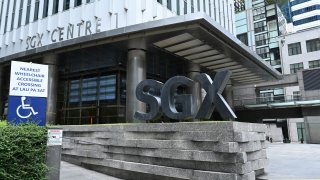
(193, 71)
(51, 60)
(1, 90)
(228, 95)
(136, 72)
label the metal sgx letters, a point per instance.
(163, 98)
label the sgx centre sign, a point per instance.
(28, 93)
(148, 92)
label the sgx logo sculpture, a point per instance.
(148, 92)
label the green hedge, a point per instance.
(22, 152)
(3, 123)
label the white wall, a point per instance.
(305, 56)
(274, 132)
(293, 131)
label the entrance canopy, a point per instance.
(194, 37)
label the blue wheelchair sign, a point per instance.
(24, 109)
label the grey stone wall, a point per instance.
(204, 150)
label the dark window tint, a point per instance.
(294, 48)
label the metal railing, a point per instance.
(289, 100)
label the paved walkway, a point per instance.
(293, 161)
(73, 172)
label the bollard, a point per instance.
(53, 156)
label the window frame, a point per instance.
(296, 67)
(314, 64)
(294, 49)
(313, 45)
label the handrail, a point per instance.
(296, 99)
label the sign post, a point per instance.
(28, 93)
(27, 103)
(53, 156)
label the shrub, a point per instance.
(22, 152)
(3, 123)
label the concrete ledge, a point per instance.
(210, 150)
(170, 127)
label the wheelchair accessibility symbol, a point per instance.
(25, 106)
(23, 109)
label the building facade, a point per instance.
(286, 10)
(300, 50)
(33, 23)
(258, 24)
(305, 14)
(98, 51)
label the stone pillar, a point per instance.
(228, 95)
(1, 91)
(136, 72)
(51, 60)
(193, 71)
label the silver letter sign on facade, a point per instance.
(162, 99)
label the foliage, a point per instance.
(3, 123)
(22, 152)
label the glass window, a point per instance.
(159, 1)
(169, 5)
(89, 89)
(259, 13)
(192, 6)
(90, 1)
(204, 5)
(2, 3)
(314, 64)
(55, 7)
(185, 7)
(13, 13)
(210, 13)
(296, 95)
(198, 3)
(243, 38)
(66, 4)
(260, 26)
(239, 5)
(45, 8)
(36, 10)
(20, 13)
(295, 67)
(306, 20)
(271, 10)
(294, 48)
(306, 9)
(273, 25)
(28, 11)
(301, 130)
(178, 7)
(107, 87)
(263, 52)
(92, 89)
(74, 94)
(77, 3)
(261, 39)
(6, 19)
(313, 45)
